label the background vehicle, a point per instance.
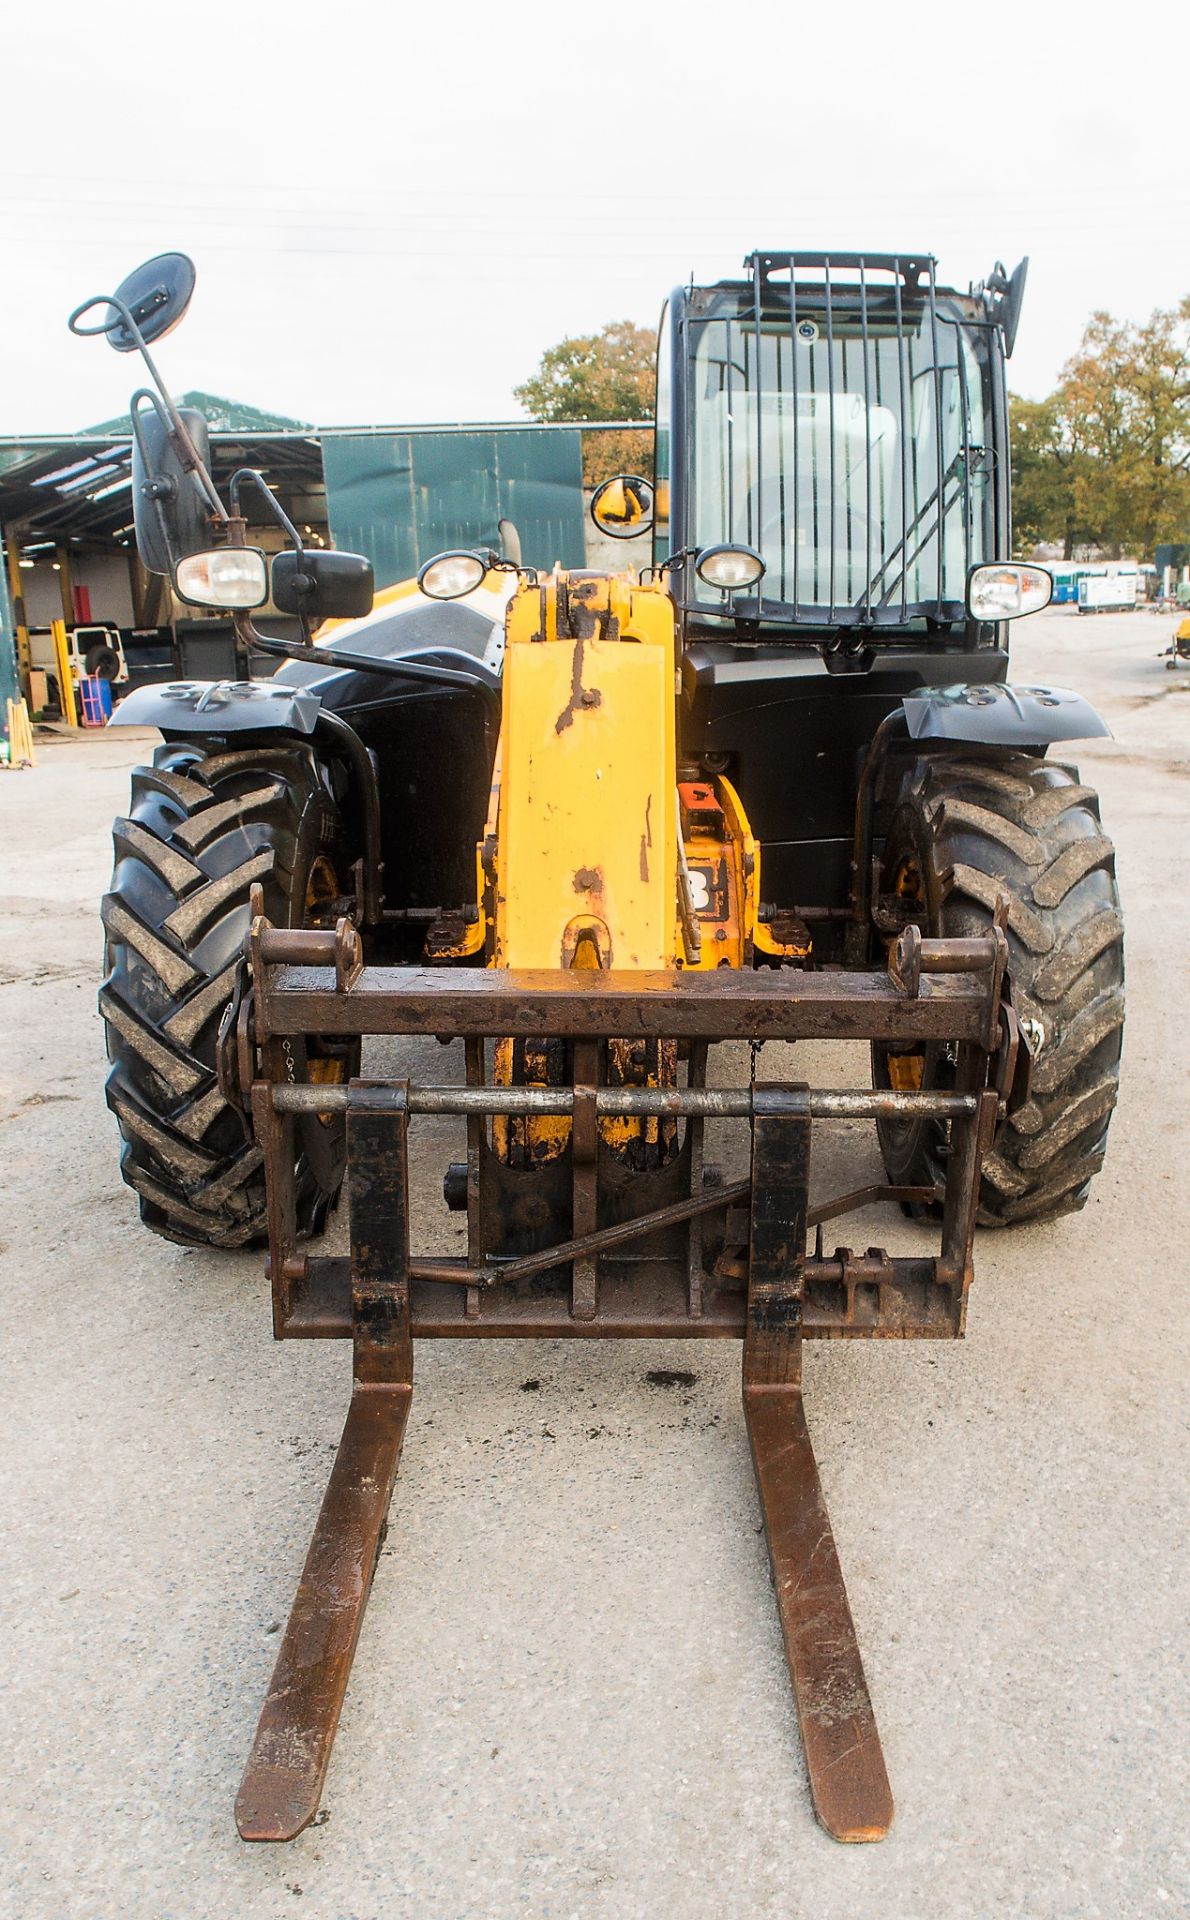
(93, 650)
(477, 810)
(1065, 576)
(1178, 650)
(1114, 591)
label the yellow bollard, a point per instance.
(66, 697)
(20, 735)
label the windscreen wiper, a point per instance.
(956, 470)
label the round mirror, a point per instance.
(623, 506)
(156, 294)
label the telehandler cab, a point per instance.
(777, 786)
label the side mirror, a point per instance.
(1003, 294)
(323, 584)
(171, 513)
(1013, 300)
(623, 506)
(156, 294)
(1005, 592)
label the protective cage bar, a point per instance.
(639, 1263)
(856, 531)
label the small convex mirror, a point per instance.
(156, 294)
(623, 506)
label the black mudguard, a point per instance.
(220, 706)
(1001, 716)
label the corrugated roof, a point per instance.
(222, 416)
(80, 486)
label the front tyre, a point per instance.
(202, 829)
(964, 832)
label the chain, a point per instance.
(754, 1047)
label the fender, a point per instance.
(1001, 716)
(267, 706)
(988, 714)
(220, 706)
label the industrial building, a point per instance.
(396, 493)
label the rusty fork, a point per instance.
(381, 1298)
(283, 1780)
(848, 1780)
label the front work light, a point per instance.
(450, 575)
(224, 577)
(729, 568)
(1004, 592)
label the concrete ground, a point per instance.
(570, 1697)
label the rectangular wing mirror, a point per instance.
(323, 584)
(171, 512)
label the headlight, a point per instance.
(450, 575)
(729, 568)
(1004, 592)
(224, 577)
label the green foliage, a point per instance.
(1045, 463)
(1105, 460)
(609, 375)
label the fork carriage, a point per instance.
(662, 1255)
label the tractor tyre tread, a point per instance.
(200, 830)
(1009, 825)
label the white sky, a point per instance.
(395, 208)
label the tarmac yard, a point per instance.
(570, 1696)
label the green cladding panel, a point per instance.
(402, 497)
(9, 683)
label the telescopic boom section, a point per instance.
(587, 848)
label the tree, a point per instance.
(1126, 392)
(610, 375)
(1104, 462)
(1048, 462)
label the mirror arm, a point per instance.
(671, 560)
(368, 663)
(245, 476)
(248, 476)
(177, 426)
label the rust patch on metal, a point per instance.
(580, 696)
